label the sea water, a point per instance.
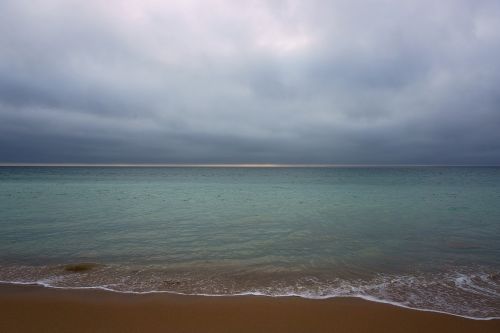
(420, 237)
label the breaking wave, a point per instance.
(463, 292)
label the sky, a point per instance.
(321, 82)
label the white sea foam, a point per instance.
(473, 295)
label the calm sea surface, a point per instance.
(422, 237)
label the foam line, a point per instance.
(249, 293)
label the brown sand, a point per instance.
(37, 309)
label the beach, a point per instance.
(249, 166)
(39, 309)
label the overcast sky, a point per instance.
(143, 81)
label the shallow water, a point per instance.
(423, 237)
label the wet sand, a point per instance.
(38, 309)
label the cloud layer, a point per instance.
(250, 81)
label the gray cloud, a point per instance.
(250, 81)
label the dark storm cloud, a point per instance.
(242, 82)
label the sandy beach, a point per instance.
(38, 309)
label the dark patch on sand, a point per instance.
(81, 267)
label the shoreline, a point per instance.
(249, 294)
(29, 308)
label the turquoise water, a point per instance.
(422, 237)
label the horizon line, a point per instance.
(235, 165)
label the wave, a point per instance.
(463, 292)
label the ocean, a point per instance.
(421, 237)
